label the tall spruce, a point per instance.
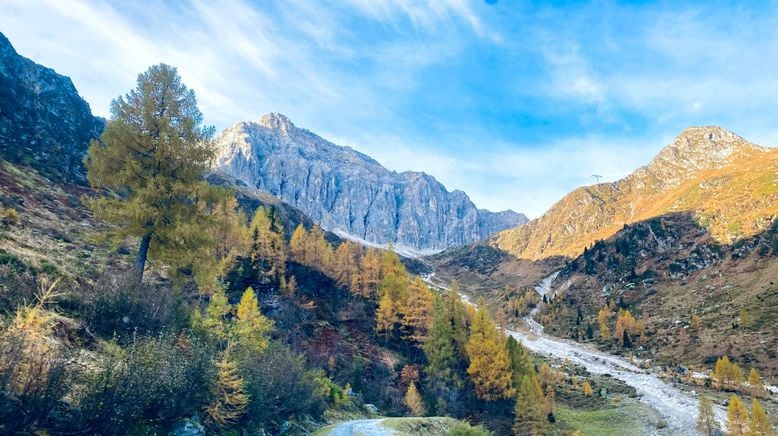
(444, 365)
(150, 161)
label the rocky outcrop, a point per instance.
(350, 193)
(44, 123)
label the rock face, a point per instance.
(727, 183)
(44, 123)
(351, 194)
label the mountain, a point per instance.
(351, 194)
(44, 123)
(728, 184)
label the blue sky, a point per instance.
(514, 102)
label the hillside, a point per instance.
(729, 185)
(351, 194)
(43, 121)
(667, 270)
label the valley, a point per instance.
(158, 276)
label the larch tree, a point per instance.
(413, 401)
(252, 329)
(755, 386)
(392, 292)
(268, 249)
(759, 425)
(489, 369)
(230, 400)
(707, 424)
(418, 317)
(530, 417)
(737, 417)
(149, 162)
(587, 389)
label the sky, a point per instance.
(514, 102)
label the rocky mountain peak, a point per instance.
(693, 150)
(350, 193)
(43, 121)
(277, 121)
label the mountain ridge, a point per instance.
(349, 192)
(44, 122)
(708, 170)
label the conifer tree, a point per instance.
(737, 417)
(755, 386)
(268, 249)
(444, 379)
(707, 424)
(587, 389)
(530, 417)
(760, 425)
(150, 159)
(392, 291)
(228, 392)
(489, 368)
(418, 317)
(252, 329)
(413, 401)
(521, 361)
(297, 244)
(370, 267)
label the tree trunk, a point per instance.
(140, 261)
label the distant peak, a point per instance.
(276, 121)
(706, 136)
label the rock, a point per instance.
(44, 123)
(188, 427)
(351, 194)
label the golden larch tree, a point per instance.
(737, 417)
(490, 367)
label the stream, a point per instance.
(677, 407)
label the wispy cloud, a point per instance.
(515, 104)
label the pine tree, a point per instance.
(521, 361)
(413, 401)
(707, 424)
(737, 417)
(228, 392)
(151, 159)
(444, 379)
(760, 425)
(530, 419)
(489, 367)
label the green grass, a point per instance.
(609, 421)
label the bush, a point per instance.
(117, 307)
(279, 387)
(8, 216)
(465, 429)
(34, 377)
(151, 380)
